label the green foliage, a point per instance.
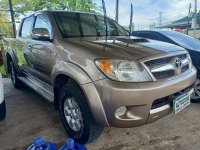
(24, 6)
(5, 25)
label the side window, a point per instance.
(43, 22)
(26, 27)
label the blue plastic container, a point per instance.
(70, 145)
(40, 144)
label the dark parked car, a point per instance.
(189, 43)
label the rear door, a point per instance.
(22, 48)
(43, 56)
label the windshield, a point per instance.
(183, 40)
(86, 25)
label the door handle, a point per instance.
(51, 54)
(30, 47)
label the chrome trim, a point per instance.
(170, 66)
(160, 109)
(162, 68)
(185, 62)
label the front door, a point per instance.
(43, 54)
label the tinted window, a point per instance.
(43, 22)
(85, 25)
(183, 40)
(26, 27)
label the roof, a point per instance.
(67, 11)
(158, 31)
(181, 22)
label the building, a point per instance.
(182, 24)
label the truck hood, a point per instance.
(120, 48)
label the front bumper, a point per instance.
(137, 97)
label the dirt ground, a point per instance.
(29, 115)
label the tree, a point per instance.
(23, 6)
(5, 24)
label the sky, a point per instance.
(146, 12)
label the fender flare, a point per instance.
(85, 82)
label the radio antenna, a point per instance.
(105, 18)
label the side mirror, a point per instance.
(41, 34)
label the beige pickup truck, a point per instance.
(97, 79)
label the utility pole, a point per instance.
(195, 19)
(154, 25)
(12, 17)
(188, 24)
(160, 18)
(131, 21)
(117, 11)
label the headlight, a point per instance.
(123, 70)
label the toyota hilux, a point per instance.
(95, 74)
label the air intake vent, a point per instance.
(132, 41)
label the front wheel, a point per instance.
(18, 84)
(196, 94)
(2, 110)
(76, 116)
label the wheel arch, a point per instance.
(65, 74)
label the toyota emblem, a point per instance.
(178, 63)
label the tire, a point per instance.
(2, 110)
(87, 130)
(195, 98)
(18, 84)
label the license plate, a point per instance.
(181, 102)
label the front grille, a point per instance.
(185, 68)
(163, 74)
(163, 68)
(161, 61)
(157, 62)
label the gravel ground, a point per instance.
(29, 115)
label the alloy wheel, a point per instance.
(73, 114)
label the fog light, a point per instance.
(121, 111)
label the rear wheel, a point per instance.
(18, 84)
(76, 116)
(196, 94)
(2, 110)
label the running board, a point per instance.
(40, 87)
